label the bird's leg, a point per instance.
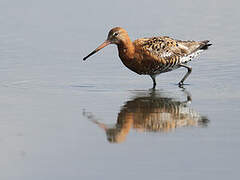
(186, 75)
(154, 81)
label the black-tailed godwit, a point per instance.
(155, 55)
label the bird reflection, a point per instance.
(151, 112)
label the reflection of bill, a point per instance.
(151, 112)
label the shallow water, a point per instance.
(63, 118)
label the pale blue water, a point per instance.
(48, 95)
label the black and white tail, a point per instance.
(203, 45)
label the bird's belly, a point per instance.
(164, 69)
(133, 65)
(149, 68)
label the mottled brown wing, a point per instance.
(163, 54)
(167, 49)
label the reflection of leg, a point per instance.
(189, 97)
(186, 75)
(154, 81)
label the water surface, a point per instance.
(63, 118)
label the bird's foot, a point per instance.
(181, 84)
(152, 89)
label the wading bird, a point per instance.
(155, 55)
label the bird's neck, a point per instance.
(126, 49)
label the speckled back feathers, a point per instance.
(168, 52)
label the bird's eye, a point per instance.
(115, 34)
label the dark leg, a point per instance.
(154, 81)
(186, 75)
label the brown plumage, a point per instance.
(152, 56)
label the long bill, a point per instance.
(105, 43)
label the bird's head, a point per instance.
(116, 36)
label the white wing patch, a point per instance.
(189, 57)
(165, 54)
